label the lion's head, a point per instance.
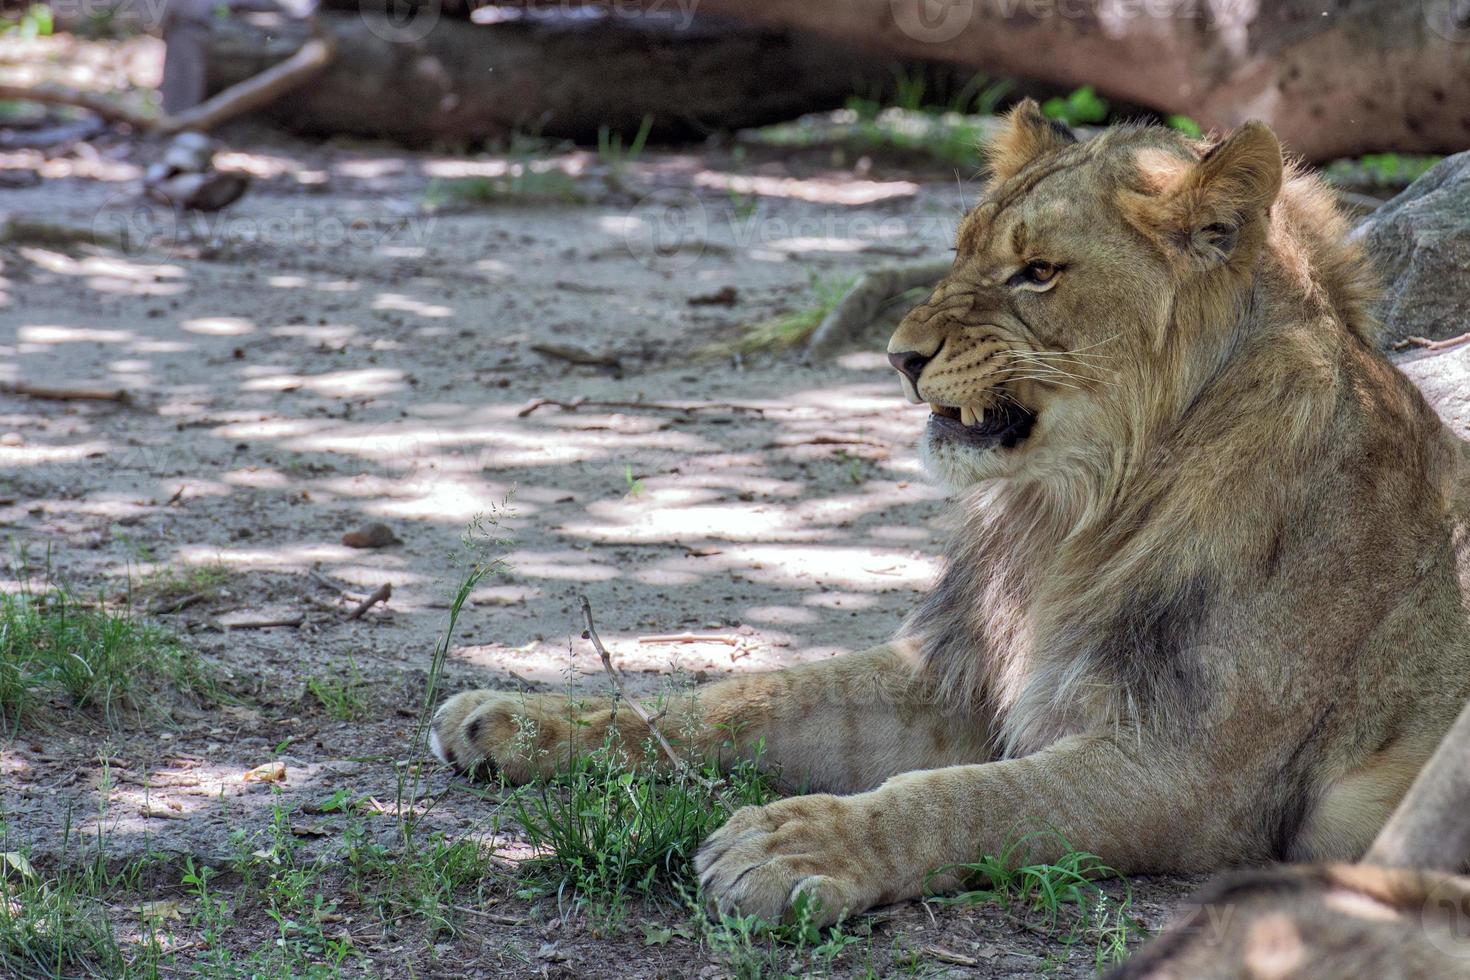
(1100, 284)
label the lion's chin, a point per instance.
(961, 455)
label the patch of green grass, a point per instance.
(51, 645)
(1083, 107)
(1185, 125)
(424, 879)
(751, 948)
(609, 828)
(529, 178)
(634, 484)
(854, 467)
(948, 138)
(62, 922)
(615, 156)
(1060, 898)
(35, 21)
(523, 183)
(340, 695)
(786, 330)
(56, 925)
(165, 583)
(1381, 169)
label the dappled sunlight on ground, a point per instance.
(285, 390)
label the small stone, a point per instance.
(375, 535)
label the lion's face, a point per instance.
(1065, 284)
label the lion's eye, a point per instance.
(1036, 273)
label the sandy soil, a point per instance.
(330, 352)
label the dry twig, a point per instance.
(177, 605)
(590, 633)
(1424, 343)
(724, 638)
(576, 403)
(252, 93)
(380, 594)
(495, 917)
(61, 95)
(253, 624)
(65, 394)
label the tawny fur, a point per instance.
(1338, 922)
(1212, 611)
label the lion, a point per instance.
(1206, 603)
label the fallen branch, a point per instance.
(253, 624)
(726, 639)
(590, 633)
(576, 355)
(495, 917)
(254, 92)
(1424, 343)
(847, 320)
(65, 394)
(61, 95)
(380, 594)
(240, 98)
(576, 403)
(177, 605)
(947, 956)
(329, 583)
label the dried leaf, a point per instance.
(16, 861)
(269, 772)
(162, 809)
(162, 910)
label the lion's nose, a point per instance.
(909, 363)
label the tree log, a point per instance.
(1333, 79)
(557, 74)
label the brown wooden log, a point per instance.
(557, 74)
(1333, 79)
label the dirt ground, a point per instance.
(332, 351)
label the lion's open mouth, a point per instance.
(1005, 425)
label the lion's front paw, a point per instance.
(500, 731)
(832, 849)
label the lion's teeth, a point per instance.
(967, 416)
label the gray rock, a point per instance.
(1420, 242)
(1444, 377)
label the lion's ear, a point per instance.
(1026, 135)
(1203, 208)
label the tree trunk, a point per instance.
(561, 75)
(1333, 79)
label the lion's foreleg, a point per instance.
(1087, 793)
(840, 725)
